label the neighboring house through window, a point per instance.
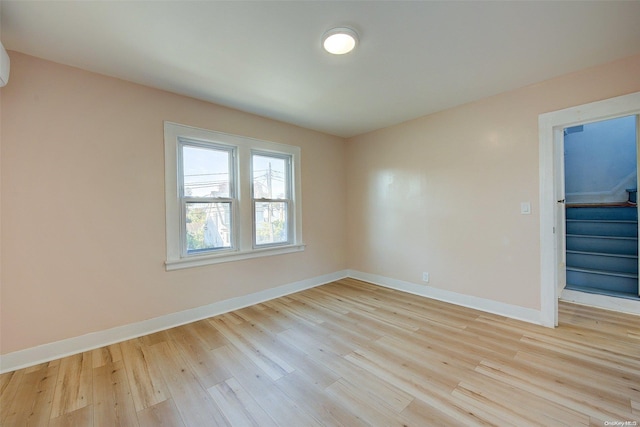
(208, 218)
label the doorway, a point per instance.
(552, 197)
(601, 213)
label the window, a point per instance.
(271, 198)
(208, 217)
(207, 195)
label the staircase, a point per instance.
(602, 250)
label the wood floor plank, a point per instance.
(105, 355)
(264, 317)
(432, 373)
(5, 379)
(208, 336)
(576, 400)
(350, 354)
(505, 398)
(283, 410)
(419, 386)
(350, 334)
(585, 352)
(305, 336)
(492, 414)
(280, 318)
(200, 358)
(314, 401)
(112, 400)
(614, 384)
(316, 372)
(322, 301)
(79, 418)
(147, 385)
(343, 301)
(301, 314)
(155, 338)
(379, 389)
(11, 384)
(357, 400)
(163, 414)
(271, 363)
(193, 402)
(418, 413)
(32, 403)
(36, 368)
(74, 384)
(238, 406)
(42, 403)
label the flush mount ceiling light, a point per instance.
(339, 41)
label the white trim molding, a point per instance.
(616, 194)
(621, 305)
(51, 351)
(55, 350)
(550, 127)
(235, 256)
(508, 310)
(242, 216)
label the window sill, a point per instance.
(198, 261)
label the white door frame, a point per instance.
(551, 126)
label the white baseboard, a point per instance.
(508, 310)
(55, 350)
(621, 305)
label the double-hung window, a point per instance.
(229, 197)
(271, 190)
(207, 196)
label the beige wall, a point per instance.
(83, 232)
(442, 193)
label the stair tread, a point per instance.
(622, 212)
(605, 221)
(607, 254)
(592, 236)
(602, 272)
(593, 290)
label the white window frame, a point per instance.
(243, 244)
(288, 199)
(185, 200)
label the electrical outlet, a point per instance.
(425, 277)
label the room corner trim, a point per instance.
(508, 310)
(604, 302)
(55, 350)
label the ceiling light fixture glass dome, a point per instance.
(339, 41)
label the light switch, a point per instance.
(525, 208)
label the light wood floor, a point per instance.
(350, 354)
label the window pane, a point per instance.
(271, 223)
(208, 226)
(206, 172)
(270, 177)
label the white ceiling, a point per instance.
(264, 57)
